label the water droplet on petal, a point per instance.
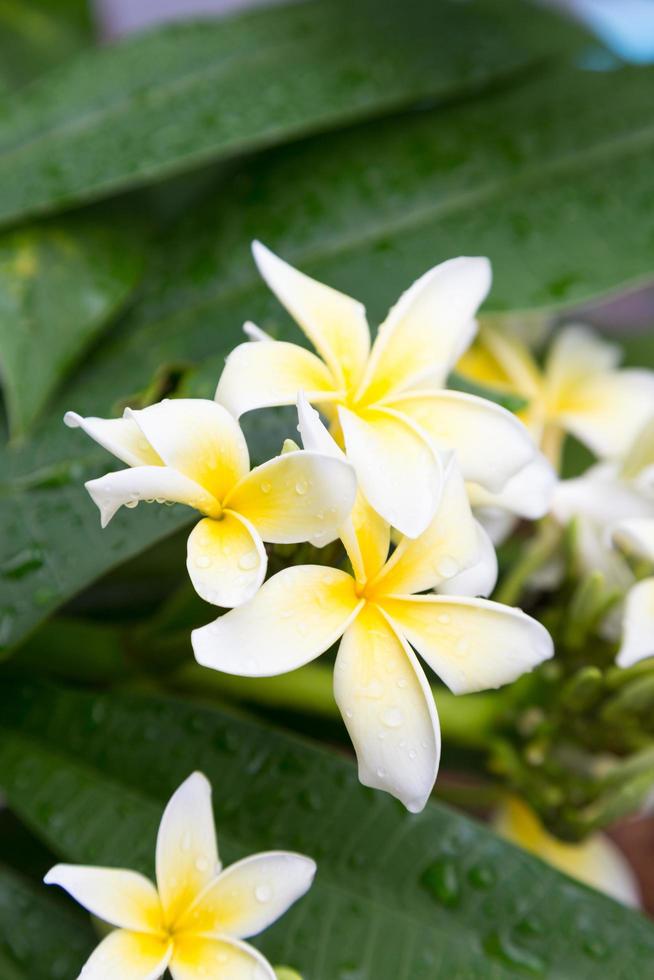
(301, 487)
(447, 566)
(249, 561)
(203, 561)
(444, 618)
(263, 893)
(393, 717)
(266, 487)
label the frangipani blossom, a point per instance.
(192, 451)
(194, 921)
(380, 612)
(579, 390)
(596, 862)
(613, 507)
(385, 402)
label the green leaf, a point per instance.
(60, 282)
(525, 176)
(426, 896)
(40, 938)
(34, 39)
(187, 94)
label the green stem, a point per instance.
(535, 554)
(468, 720)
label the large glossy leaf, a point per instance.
(60, 282)
(34, 37)
(527, 176)
(184, 95)
(40, 939)
(428, 896)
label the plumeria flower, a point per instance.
(192, 451)
(579, 390)
(194, 921)
(385, 402)
(596, 862)
(613, 508)
(380, 612)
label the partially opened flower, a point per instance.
(579, 390)
(192, 451)
(613, 508)
(385, 403)
(596, 861)
(194, 921)
(381, 612)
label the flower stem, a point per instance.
(468, 720)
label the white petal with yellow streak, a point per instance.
(260, 374)
(596, 861)
(187, 853)
(122, 437)
(576, 354)
(472, 644)
(638, 624)
(294, 617)
(491, 444)
(226, 560)
(388, 709)
(299, 496)
(636, 536)
(128, 956)
(479, 579)
(528, 494)
(365, 535)
(203, 958)
(607, 412)
(428, 329)
(198, 438)
(335, 323)
(250, 895)
(125, 488)
(122, 898)
(399, 471)
(448, 546)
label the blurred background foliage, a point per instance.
(364, 141)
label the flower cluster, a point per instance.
(392, 477)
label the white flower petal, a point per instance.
(250, 895)
(428, 329)
(127, 487)
(187, 852)
(491, 444)
(204, 958)
(528, 494)
(128, 956)
(294, 617)
(388, 709)
(122, 898)
(258, 375)
(596, 862)
(335, 324)
(299, 496)
(472, 644)
(638, 624)
(122, 437)
(448, 546)
(636, 536)
(255, 333)
(198, 438)
(399, 472)
(600, 496)
(480, 579)
(226, 560)
(577, 353)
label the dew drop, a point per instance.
(266, 487)
(202, 864)
(502, 947)
(249, 561)
(393, 717)
(263, 893)
(381, 772)
(441, 879)
(447, 566)
(301, 487)
(203, 561)
(444, 618)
